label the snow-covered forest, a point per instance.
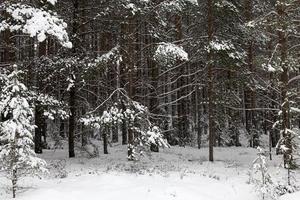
(150, 99)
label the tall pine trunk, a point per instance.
(181, 108)
(72, 104)
(250, 94)
(105, 142)
(210, 33)
(285, 113)
(73, 89)
(130, 66)
(39, 120)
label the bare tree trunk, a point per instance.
(13, 167)
(274, 136)
(154, 73)
(40, 122)
(130, 65)
(181, 108)
(116, 131)
(286, 135)
(105, 142)
(122, 77)
(73, 89)
(14, 182)
(38, 130)
(72, 118)
(250, 94)
(197, 117)
(210, 33)
(38, 108)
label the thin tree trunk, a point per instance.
(181, 108)
(73, 89)
(72, 118)
(14, 182)
(211, 130)
(250, 94)
(13, 161)
(130, 66)
(38, 130)
(105, 142)
(154, 73)
(286, 135)
(197, 118)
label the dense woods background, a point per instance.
(210, 72)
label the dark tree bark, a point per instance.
(197, 117)
(182, 107)
(124, 126)
(105, 142)
(250, 94)
(272, 115)
(14, 182)
(39, 121)
(72, 123)
(128, 52)
(73, 89)
(210, 33)
(122, 79)
(286, 135)
(154, 73)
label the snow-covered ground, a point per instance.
(176, 173)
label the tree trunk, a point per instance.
(153, 104)
(210, 33)
(250, 94)
(105, 142)
(182, 107)
(14, 182)
(72, 123)
(73, 89)
(285, 113)
(38, 147)
(130, 66)
(197, 117)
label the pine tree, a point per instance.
(280, 24)
(261, 177)
(16, 139)
(210, 33)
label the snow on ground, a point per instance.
(125, 186)
(294, 196)
(176, 173)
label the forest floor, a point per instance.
(172, 174)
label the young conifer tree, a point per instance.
(16, 139)
(261, 177)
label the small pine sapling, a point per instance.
(261, 177)
(16, 139)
